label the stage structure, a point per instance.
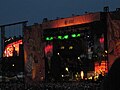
(13, 56)
(79, 43)
(72, 48)
(3, 32)
(34, 53)
(12, 53)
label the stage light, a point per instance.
(71, 47)
(73, 35)
(88, 36)
(49, 38)
(62, 47)
(66, 69)
(58, 53)
(48, 48)
(106, 51)
(79, 58)
(101, 40)
(59, 37)
(66, 37)
(103, 55)
(82, 74)
(13, 65)
(78, 35)
(63, 37)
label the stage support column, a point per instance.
(106, 40)
(2, 39)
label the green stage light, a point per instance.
(73, 35)
(66, 37)
(63, 37)
(59, 37)
(51, 38)
(47, 38)
(78, 35)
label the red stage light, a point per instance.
(48, 49)
(101, 40)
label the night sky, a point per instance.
(35, 10)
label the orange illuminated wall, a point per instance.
(101, 67)
(9, 48)
(75, 20)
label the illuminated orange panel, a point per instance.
(9, 48)
(101, 67)
(75, 20)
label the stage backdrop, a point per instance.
(113, 39)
